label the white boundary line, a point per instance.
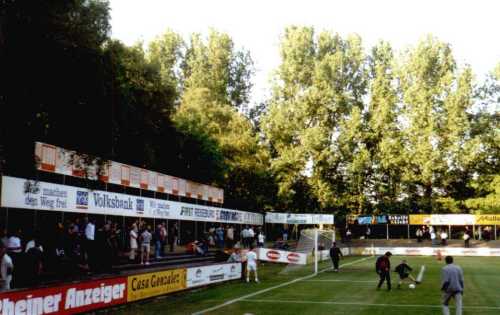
(421, 273)
(368, 304)
(216, 307)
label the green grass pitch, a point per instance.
(351, 292)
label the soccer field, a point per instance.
(352, 291)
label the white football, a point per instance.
(411, 286)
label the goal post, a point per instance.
(315, 244)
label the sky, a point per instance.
(470, 26)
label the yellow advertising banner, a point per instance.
(486, 219)
(143, 286)
(420, 219)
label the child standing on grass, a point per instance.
(252, 264)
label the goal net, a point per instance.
(314, 243)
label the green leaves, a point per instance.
(374, 132)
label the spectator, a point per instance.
(32, 243)
(230, 236)
(467, 237)
(219, 236)
(285, 234)
(14, 249)
(434, 238)
(419, 234)
(261, 238)
(34, 266)
(145, 246)
(6, 269)
(200, 248)
(134, 234)
(108, 247)
(163, 237)
(89, 243)
(251, 236)
(172, 237)
(368, 232)
(235, 256)
(14, 243)
(4, 238)
(244, 236)
(158, 241)
(348, 235)
(444, 237)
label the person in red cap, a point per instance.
(383, 269)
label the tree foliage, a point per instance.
(345, 129)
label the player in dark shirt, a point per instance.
(335, 254)
(404, 273)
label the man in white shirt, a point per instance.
(14, 243)
(6, 268)
(444, 236)
(261, 239)
(90, 231)
(244, 236)
(252, 264)
(89, 244)
(251, 236)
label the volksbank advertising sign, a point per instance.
(28, 194)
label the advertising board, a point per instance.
(281, 256)
(426, 251)
(204, 275)
(147, 285)
(65, 299)
(28, 194)
(299, 218)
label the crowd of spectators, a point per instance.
(76, 248)
(225, 237)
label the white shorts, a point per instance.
(145, 248)
(252, 267)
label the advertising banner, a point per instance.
(487, 219)
(426, 251)
(420, 219)
(147, 285)
(281, 256)
(28, 194)
(54, 159)
(299, 218)
(65, 299)
(452, 219)
(443, 219)
(204, 275)
(398, 219)
(368, 219)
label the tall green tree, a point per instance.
(217, 65)
(427, 77)
(318, 94)
(384, 139)
(53, 82)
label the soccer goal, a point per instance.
(315, 244)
